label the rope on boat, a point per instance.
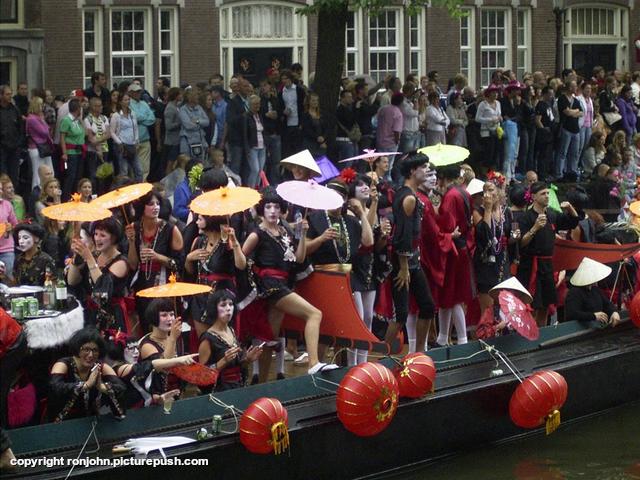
(490, 349)
(314, 379)
(92, 432)
(234, 412)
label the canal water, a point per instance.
(605, 447)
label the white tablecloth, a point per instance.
(51, 332)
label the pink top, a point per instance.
(7, 216)
(37, 130)
(389, 121)
(588, 115)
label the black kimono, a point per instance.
(583, 302)
(535, 271)
(68, 400)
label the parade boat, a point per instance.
(468, 407)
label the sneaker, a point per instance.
(302, 359)
(287, 356)
(254, 380)
(280, 376)
(322, 367)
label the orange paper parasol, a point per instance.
(225, 201)
(76, 211)
(121, 196)
(174, 289)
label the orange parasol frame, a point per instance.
(76, 211)
(121, 196)
(225, 201)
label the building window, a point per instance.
(524, 42)
(262, 21)
(130, 45)
(384, 41)
(168, 31)
(9, 72)
(494, 47)
(593, 21)
(415, 44)
(351, 43)
(8, 11)
(467, 46)
(91, 43)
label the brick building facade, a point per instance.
(58, 43)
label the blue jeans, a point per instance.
(346, 149)
(510, 149)
(236, 158)
(568, 150)
(128, 157)
(410, 141)
(257, 159)
(585, 136)
(273, 146)
(8, 258)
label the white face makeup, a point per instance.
(431, 180)
(363, 192)
(272, 212)
(25, 241)
(166, 321)
(225, 310)
(131, 353)
(102, 240)
(152, 209)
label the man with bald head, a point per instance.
(45, 173)
(236, 108)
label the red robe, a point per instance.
(434, 246)
(456, 212)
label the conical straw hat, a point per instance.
(590, 272)
(475, 186)
(514, 285)
(303, 159)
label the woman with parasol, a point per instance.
(219, 347)
(214, 258)
(161, 342)
(272, 245)
(341, 239)
(155, 245)
(106, 275)
(32, 264)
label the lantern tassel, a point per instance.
(553, 422)
(279, 437)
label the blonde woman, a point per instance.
(50, 195)
(39, 141)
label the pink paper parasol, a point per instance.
(369, 155)
(517, 315)
(310, 195)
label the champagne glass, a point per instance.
(167, 404)
(224, 235)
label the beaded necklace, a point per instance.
(496, 240)
(204, 264)
(147, 263)
(284, 241)
(344, 238)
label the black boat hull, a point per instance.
(468, 409)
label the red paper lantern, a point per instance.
(634, 310)
(538, 399)
(367, 399)
(264, 427)
(416, 375)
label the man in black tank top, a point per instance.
(407, 274)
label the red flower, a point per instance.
(348, 175)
